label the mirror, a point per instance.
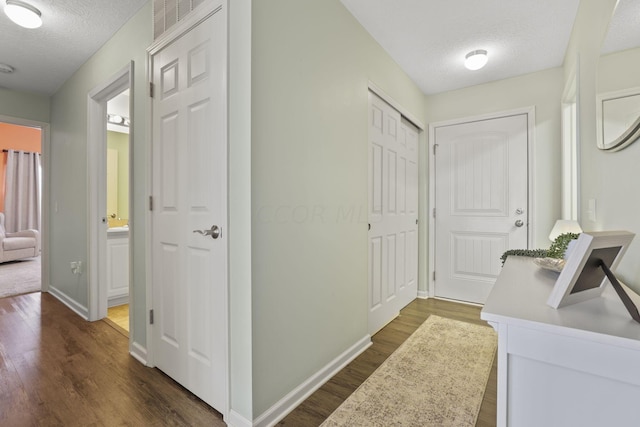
(618, 119)
(618, 101)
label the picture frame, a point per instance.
(583, 276)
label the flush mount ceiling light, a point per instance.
(476, 59)
(23, 14)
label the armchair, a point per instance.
(22, 244)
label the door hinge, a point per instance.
(151, 87)
(150, 203)
(434, 149)
(416, 222)
(434, 276)
(151, 317)
(434, 212)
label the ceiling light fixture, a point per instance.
(23, 14)
(476, 59)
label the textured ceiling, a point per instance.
(73, 30)
(429, 38)
(624, 29)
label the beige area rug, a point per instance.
(20, 277)
(437, 377)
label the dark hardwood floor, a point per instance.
(59, 370)
(314, 410)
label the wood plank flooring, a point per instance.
(119, 315)
(314, 410)
(56, 369)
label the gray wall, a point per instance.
(69, 193)
(311, 64)
(24, 105)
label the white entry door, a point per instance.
(189, 214)
(481, 203)
(393, 213)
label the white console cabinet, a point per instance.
(575, 366)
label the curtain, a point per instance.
(22, 192)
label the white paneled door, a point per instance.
(189, 213)
(393, 213)
(481, 203)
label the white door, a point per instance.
(393, 213)
(481, 203)
(189, 269)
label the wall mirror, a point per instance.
(618, 118)
(618, 108)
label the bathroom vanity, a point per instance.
(118, 266)
(574, 366)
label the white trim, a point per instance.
(195, 17)
(423, 294)
(79, 309)
(96, 188)
(531, 124)
(288, 403)
(396, 105)
(45, 149)
(138, 352)
(236, 420)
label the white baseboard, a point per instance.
(79, 309)
(139, 353)
(116, 301)
(288, 403)
(236, 420)
(423, 294)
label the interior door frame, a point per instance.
(45, 149)
(96, 171)
(530, 112)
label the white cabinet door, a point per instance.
(189, 271)
(481, 203)
(393, 213)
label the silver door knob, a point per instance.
(519, 223)
(214, 232)
(519, 211)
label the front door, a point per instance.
(481, 203)
(189, 212)
(393, 213)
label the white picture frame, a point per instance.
(582, 278)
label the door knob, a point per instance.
(519, 211)
(214, 232)
(519, 223)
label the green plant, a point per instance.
(535, 253)
(559, 246)
(556, 250)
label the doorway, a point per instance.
(110, 134)
(24, 202)
(118, 212)
(481, 203)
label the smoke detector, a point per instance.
(4, 68)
